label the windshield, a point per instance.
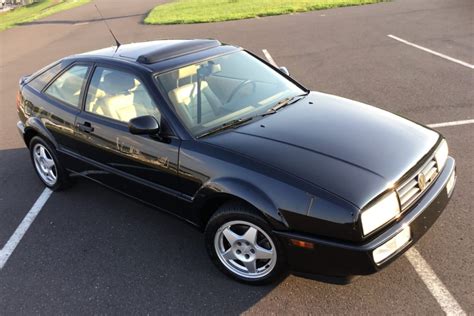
(223, 89)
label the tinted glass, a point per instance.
(43, 79)
(119, 95)
(67, 87)
(209, 94)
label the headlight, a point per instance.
(441, 154)
(380, 213)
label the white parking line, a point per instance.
(454, 60)
(15, 239)
(269, 57)
(453, 123)
(444, 124)
(439, 291)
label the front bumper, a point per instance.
(21, 128)
(332, 258)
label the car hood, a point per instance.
(351, 149)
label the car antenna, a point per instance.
(108, 27)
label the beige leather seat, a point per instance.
(115, 100)
(184, 98)
(143, 103)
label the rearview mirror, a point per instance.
(144, 125)
(284, 70)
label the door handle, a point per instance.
(85, 127)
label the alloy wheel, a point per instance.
(44, 164)
(245, 249)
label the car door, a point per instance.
(142, 166)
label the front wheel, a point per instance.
(240, 242)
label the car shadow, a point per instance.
(93, 250)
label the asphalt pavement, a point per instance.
(94, 251)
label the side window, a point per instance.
(119, 95)
(67, 87)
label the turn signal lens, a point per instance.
(302, 244)
(393, 245)
(451, 183)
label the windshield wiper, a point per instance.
(237, 122)
(285, 102)
(227, 125)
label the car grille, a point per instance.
(412, 189)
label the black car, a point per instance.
(278, 177)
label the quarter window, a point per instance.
(44, 78)
(67, 88)
(119, 95)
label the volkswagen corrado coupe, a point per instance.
(279, 178)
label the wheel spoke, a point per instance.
(51, 174)
(262, 253)
(48, 163)
(229, 254)
(251, 266)
(230, 235)
(42, 152)
(250, 235)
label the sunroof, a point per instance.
(177, 49)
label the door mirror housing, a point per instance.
(144, 125)
(284, 70)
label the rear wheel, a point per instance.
(240, 242)
(47, 165)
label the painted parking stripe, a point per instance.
(435, 125)
(269, 57)
(454, 123)
(15, 239)
(454, 60)
(439, 291)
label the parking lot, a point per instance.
(91, 250)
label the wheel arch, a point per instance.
(215, 194)
(35, 127)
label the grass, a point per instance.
(35, 11)
(201, 11)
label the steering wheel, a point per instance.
(240, 86)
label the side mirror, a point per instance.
(144, 125)
(284, 70)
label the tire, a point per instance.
(241, 244)
(47, 165)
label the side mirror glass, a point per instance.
(284, 70)
(144, 125)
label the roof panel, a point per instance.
(163, 55)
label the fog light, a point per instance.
(392, 246)
(451, 183)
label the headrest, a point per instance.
(182, 95)
(187, 71)
(118, 83)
